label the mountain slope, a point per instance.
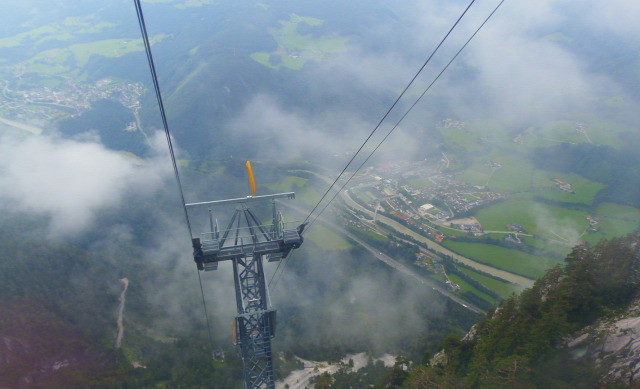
(573, 328)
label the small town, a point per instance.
(444, 202)
(45, 103)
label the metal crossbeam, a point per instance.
(248, 199)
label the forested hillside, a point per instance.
(522, 343)
(59, 307)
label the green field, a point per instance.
(289, 183)
(461, 138)
(504, 289)
(19, 39)
(295, 49)
(450, 231)
(549, 221)
(439, 277)
(327, 239)
(366, 196)
(67, 30)
(617, 211)
(513, 177)
(307, 194)
(464, 287)
(562, 131)
(371, 234)
(418, 183)
(606, 133)
(503, 258)
(585, 190)
(56, 61)
(616, 220)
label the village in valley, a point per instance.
(46, 104)
(440, 206)
(443, 201)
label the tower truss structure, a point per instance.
(246, 242)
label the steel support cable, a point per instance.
(391, 108)
(276, 271)
(154, 77)
(394, 127)
(408, 110)
(147, 46)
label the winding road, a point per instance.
(125, 282)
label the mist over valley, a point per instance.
(519, 158)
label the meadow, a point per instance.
(504, 289)
(513, 261)
(466, 287)
(295, 49)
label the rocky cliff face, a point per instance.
(612, 345)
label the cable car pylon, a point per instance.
(246, 242)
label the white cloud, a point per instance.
(285, 133)
(70, 181)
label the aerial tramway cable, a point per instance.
(152, 68)
(408, 110)
(391, 108)
(370, 135)
(392, 129)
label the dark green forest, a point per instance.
(69, 297)
(520, 343)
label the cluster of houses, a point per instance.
(563, 185)
(473, 228)
(450, 123)
(78, 97)
(515, 227)
(593, 224)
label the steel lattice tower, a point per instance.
(247, 243)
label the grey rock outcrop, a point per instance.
(613, 345)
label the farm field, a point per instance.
(466, 287)
(289, 183)
(503, 258)
(418, 183)
(295, 49)
(371, 234)
(551, 222)
(616, 220)
(460, 137)
(585, 190)
(513, 177)
(504, 289)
